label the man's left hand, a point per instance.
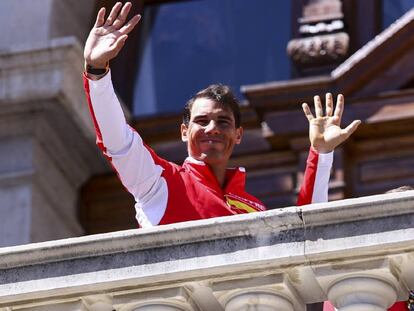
(325, 132)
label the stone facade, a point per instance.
(46, 138)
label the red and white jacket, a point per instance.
(168, 193)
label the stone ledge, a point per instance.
(252, 225)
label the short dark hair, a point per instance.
(221, 94)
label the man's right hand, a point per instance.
(107, 38)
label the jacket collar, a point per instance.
(235, 177)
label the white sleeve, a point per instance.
(134, 164)
(323, 172)
(315, 184)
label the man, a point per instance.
(203, 187)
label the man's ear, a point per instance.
(184, 130)
(239, 135)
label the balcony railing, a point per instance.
(357, 253)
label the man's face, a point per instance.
(211, 133)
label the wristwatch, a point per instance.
(96, 71)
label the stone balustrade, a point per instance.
(358, 253)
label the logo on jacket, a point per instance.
(243, 205)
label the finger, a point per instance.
(329, 104)
(318, 106)
(351, 128)
(339, 109)
(100, 18)
(130, 25)
(307, 111)
(114, 13)
(122, 16)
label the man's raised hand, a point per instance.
(107, 37)
(325, 131)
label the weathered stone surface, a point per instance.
(47, 148)
(295, 256)
(48, 19)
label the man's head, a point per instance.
(219, 93)
(211, 124)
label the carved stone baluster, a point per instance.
(362, 294)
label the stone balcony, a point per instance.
(358, 253)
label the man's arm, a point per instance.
(325, 134)
(137, 168)
(104, 42)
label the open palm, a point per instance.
(107, 37)
(325, 131)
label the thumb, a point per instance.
(351, 128)
(121, 41)
(118, 44)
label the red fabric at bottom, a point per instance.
(398, 306)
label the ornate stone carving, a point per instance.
(320, 49)
(323, 40)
